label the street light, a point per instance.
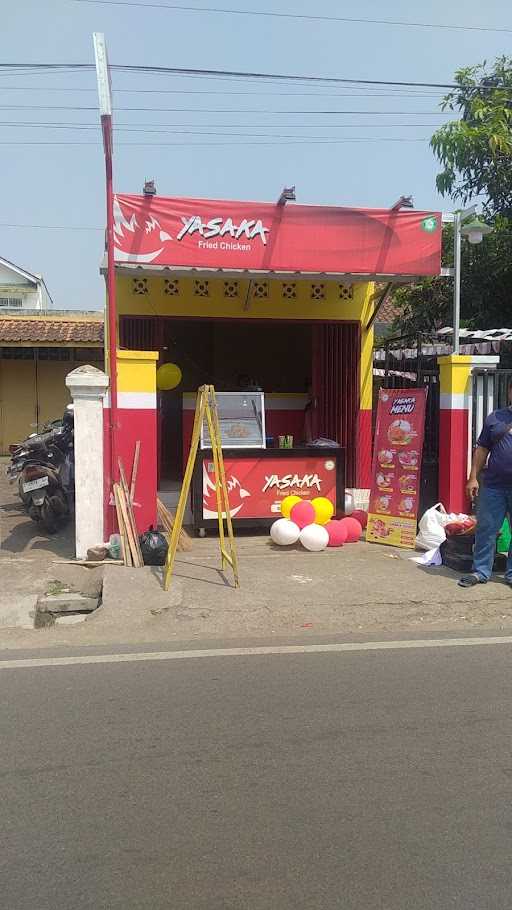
(475, 230)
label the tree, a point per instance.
(486, 288)
(475, 152)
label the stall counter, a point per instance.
(259, 479)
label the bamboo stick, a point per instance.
(138, 562)
(135, 468)
(167, 519)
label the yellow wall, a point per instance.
(17, 401)
(160, 296)
(158, 301)
(21, 396)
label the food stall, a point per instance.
(222, 290)
(260, 470)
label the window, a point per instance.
(289, 291)
(140, 286)
(260, 290)
(171, 287)
(317, 292)
(14, 303)
(201, 288)
(345, 293)
(231, 289)
(16, 353)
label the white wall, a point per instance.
(12, 285)
(7, 276)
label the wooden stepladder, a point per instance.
(206, 408)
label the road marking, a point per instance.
(32, 662)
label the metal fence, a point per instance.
(489, 392)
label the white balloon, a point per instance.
(284, 532)
(349, 503)
(314, 538)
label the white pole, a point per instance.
(456, 281)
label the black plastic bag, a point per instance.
(154, 548)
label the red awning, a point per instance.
(240, 237)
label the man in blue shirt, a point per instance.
(494, 448)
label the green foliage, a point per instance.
(486, 288)
(475, 151)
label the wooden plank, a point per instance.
(135, 468)
(167, 519)
(127, 557)
(138, 562)
(122, 529)
(88, 563)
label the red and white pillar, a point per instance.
(455, 426)
(136, 422)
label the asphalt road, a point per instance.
(360, 780)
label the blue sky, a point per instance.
(62, 185)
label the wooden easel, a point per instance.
(206, 407)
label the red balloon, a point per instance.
(303, 514)
(361, 516)
(337, 533)
(354, 529)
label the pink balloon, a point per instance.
(337, 533)
(361, 516)
(303, 514)
(354, 529)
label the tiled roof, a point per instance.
(388, 312)
(47, 330)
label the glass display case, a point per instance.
(241, 419)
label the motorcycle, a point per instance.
(43, 467)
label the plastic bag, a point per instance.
(322, 443)
(431, 533)
(153, 547)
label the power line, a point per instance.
(51, 227)
(234, 136)
(302, 141)
(308, 18)
(148, 127)
(209, 110)
(183, 91)
(8, 68)
(278, 77)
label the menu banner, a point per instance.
(397, 454)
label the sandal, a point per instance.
(468, 581)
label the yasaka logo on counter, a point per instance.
(307, 481)
(403, 406)
(218, 227)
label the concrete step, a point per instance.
(66, 603)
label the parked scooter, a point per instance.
(43, 467)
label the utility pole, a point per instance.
(105, 105)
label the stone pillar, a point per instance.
(455, 372)
(87, 386)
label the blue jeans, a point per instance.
(494, 503)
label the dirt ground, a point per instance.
(361, 589)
